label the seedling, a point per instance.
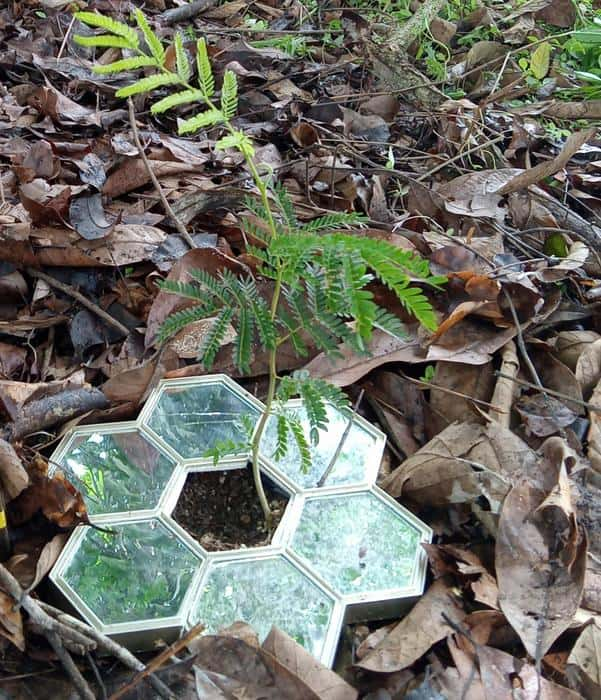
(317, 275)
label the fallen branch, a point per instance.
(57, 634)
(109, 646)
(53, 409)
(185, 12)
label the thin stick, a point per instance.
(345, 434)
(80, 683)
(55, 632)
(158, 661)
(522, 344)
(108, 645)
(552, 392)
(446, 390)
(459, 156)
(84, 301)
(182, 230)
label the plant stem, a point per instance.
(273, 376)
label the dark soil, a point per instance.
(221, 509)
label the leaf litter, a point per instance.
(493, 421)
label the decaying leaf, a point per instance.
(418, 631)
(540, 562)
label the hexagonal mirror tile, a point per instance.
(193, 416)
(116, 469)
(359, 543)
(358, 459)
(134, 573)
(264, 592)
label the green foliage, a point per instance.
(316, 275)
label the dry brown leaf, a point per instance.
(584, 662)
(241, 670)
(133, 174)
(326, 684)
(540, 564)
(569, 345)
(594, 431)
(462, 463)
(411, 638)
(533, 175)
(30, 567)
(462, 681)
(13, 475)
(502, 674)
(588, 367)
(474, 380)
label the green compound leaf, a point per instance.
(152, 40)
(209, 118)
(93, 19)
(229, 94)
(152, 82)
(178, 98)
(205, 72)
(103, 40)
(238, 140)
(184, 70)
(124, 64)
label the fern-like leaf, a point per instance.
(296, 428)
(243, 342)
(103, 41)
(286, 207)
(152, 40)
(229, 94)
(175, 100)
(93, 19)
(200, 121)
(282, 431)
(315, 408)
(333, 221)
(183, 67)
(205, 72)
(125, 64)
(209, 349)
(152, 82)
(178, 320)
(239, 141)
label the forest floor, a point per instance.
(469, 135)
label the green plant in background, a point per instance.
(318, 275)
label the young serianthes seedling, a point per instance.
(318, 274)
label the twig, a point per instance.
(343, 438)
(84, 301)
(55, 632)
(182, 230)
(552, 392)
(521, 343)
(446, 390)
(158, 661)
(109, 646)
(80, 683)
(459, 156)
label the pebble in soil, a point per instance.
(222, 511)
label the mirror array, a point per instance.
(342, 545)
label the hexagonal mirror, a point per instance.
(116, 468)
(134, 572)
(357, 461)
(265, 592)
(358, 542)
(194, 416)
